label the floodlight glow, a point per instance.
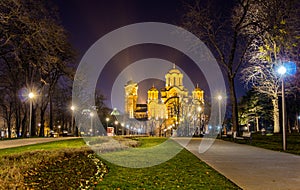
(219, 97)
(291, 67)
(72, 108)
(281, 70)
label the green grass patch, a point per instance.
(71, 143)
(66, 165)
(184, 171)
(274, 142)
(150, 141)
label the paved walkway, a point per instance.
(29, 141)
(251, 167)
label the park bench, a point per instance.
(245, 136)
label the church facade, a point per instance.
(169, 109)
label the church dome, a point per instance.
(174, 70)
(153, 89)
(197, 88)
(130, 82)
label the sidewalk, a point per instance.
(251, 167)
(30, 141)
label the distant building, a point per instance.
(169, 108)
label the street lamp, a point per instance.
(58, 129)
(282, 70)
(220, 114)
(91, 115)
(107, 120)
(116, 124)
(123, 125)
(31, 96)
(115, 113)
(199, 109)
(72, 123)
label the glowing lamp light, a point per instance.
(281, 70)
(72, 108)
(199, 109)
(219, 97)
(31, 95)
(287, 68)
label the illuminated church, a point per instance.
(168, 108)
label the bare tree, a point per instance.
(34, 51)
(231, 33)
(228, 33)
(271, 49)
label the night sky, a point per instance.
(87, 21)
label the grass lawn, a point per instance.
(274, 142)
(67, 164)
(71, 143)
(184, 171)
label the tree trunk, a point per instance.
(289, 126)
(276, 114)
(42, 127)
(7, 117)
(18, 120)
(8, 122)
(257, 124)
(33, 121)
(51, 112)
(24, 127)
(297, 122)
(234, 108)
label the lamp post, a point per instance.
(115, 113)
(128, 129)
(282, 70)
(91, 115)
(58, 129)
(31, 96)
(220, 114)
(199, 109)
(72, 122)
(116, 124)
(107, 120)
(123, 125)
